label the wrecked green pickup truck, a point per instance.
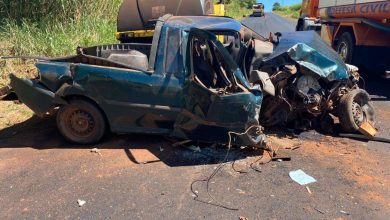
(201, 79)
(185, 85)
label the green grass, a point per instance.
(52, 28)
(56, 38)
(234, 10)
(290, 11)
(239, 8)
(56, 27)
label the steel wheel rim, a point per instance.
(80, 123)
(358, 113)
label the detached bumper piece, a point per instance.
(34, 95)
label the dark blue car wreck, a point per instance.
(209, 79)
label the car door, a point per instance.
(148, 101)
(226, 104)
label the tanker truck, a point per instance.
(359, 30)
(137, 18)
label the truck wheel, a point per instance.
(81, 122)
(354, 109)
(345, 47)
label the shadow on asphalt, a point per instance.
(42, 134)
(378, 88)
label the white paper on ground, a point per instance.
(301, 177)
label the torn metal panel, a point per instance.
(309, 51)
(33, 94)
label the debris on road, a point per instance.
(301, 177)
(363, 137)
(81, 202)
(281, 157)
(319, 210)
(143, 156)
(308, 190)
(344, 212)
(96, 151)
(368, 129)
(296, 147)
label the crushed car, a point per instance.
(200, 79)
(311, 86)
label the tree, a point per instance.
(276, 6)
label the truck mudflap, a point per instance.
(34, 95)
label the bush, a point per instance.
(289, 11)
(57, 10)
(56, 27)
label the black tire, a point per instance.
(81, 122)
(346, 47)
(354, 109)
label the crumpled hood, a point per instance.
(308, 50)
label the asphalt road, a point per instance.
(146, 177)
(270, 23)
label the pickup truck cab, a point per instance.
(186, 84)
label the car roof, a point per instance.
(209, 23)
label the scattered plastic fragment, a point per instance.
(296, 147)
(308, 190)
(81, 202)
(97, 151)
(301, 177)
(240, 191)
(319, 210)
(344, 212)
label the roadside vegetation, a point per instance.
(239, 8)
(287, 11)
(51, 28)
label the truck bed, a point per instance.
(132, 56)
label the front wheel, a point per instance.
(81, 122)
(355, 108)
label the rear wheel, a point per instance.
(356, 108)
(81, 122)
(345, 47)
